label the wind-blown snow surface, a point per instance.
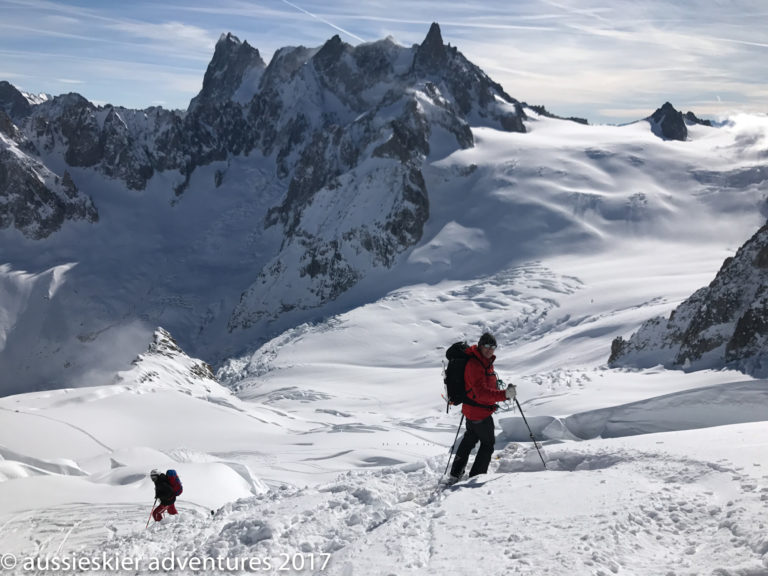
(326, 446)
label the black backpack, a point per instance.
(453, 378)
(455, 388)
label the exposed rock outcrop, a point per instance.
(722, 325)
(668, 123)
(33, 199)
(13, 102)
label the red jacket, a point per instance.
(480, 380)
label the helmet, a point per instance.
(154, 474)
(487, 339)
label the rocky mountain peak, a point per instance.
(668, 123)
(72, 101)
(691, 118)
(165, 366)
(12, 101)
(233, 72)
(330, 52)
(431, 55)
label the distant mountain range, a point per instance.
(331, 119)
(277, 192)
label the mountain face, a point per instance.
(670, 124)
(33, 199)
(332, 119)
(13, 102)
(233, 74)
(724, 324)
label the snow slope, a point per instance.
(324, 447)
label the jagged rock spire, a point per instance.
(431, 54)
(668, 123)
(232, 60)
(330, 53)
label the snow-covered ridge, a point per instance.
(333, 447)
(166, 365)
(723, 324)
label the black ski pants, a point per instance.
(477, 431)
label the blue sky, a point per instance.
(607, 60)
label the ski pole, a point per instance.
(150, 514)
(454, 443)
(535, 443)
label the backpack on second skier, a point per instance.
(175, 482)
(458, 354)
(453, 378)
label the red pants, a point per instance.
(157, 513)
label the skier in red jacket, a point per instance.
(481, 386)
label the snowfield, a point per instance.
(321, 452)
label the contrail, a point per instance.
(743, 42)
(331, 24)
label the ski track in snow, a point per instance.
(675, 516)
(64, 423)
(600, 509)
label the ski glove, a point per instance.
(511, 392)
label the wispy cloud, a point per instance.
(575, 58)
(173, 35)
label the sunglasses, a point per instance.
(489, 347)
